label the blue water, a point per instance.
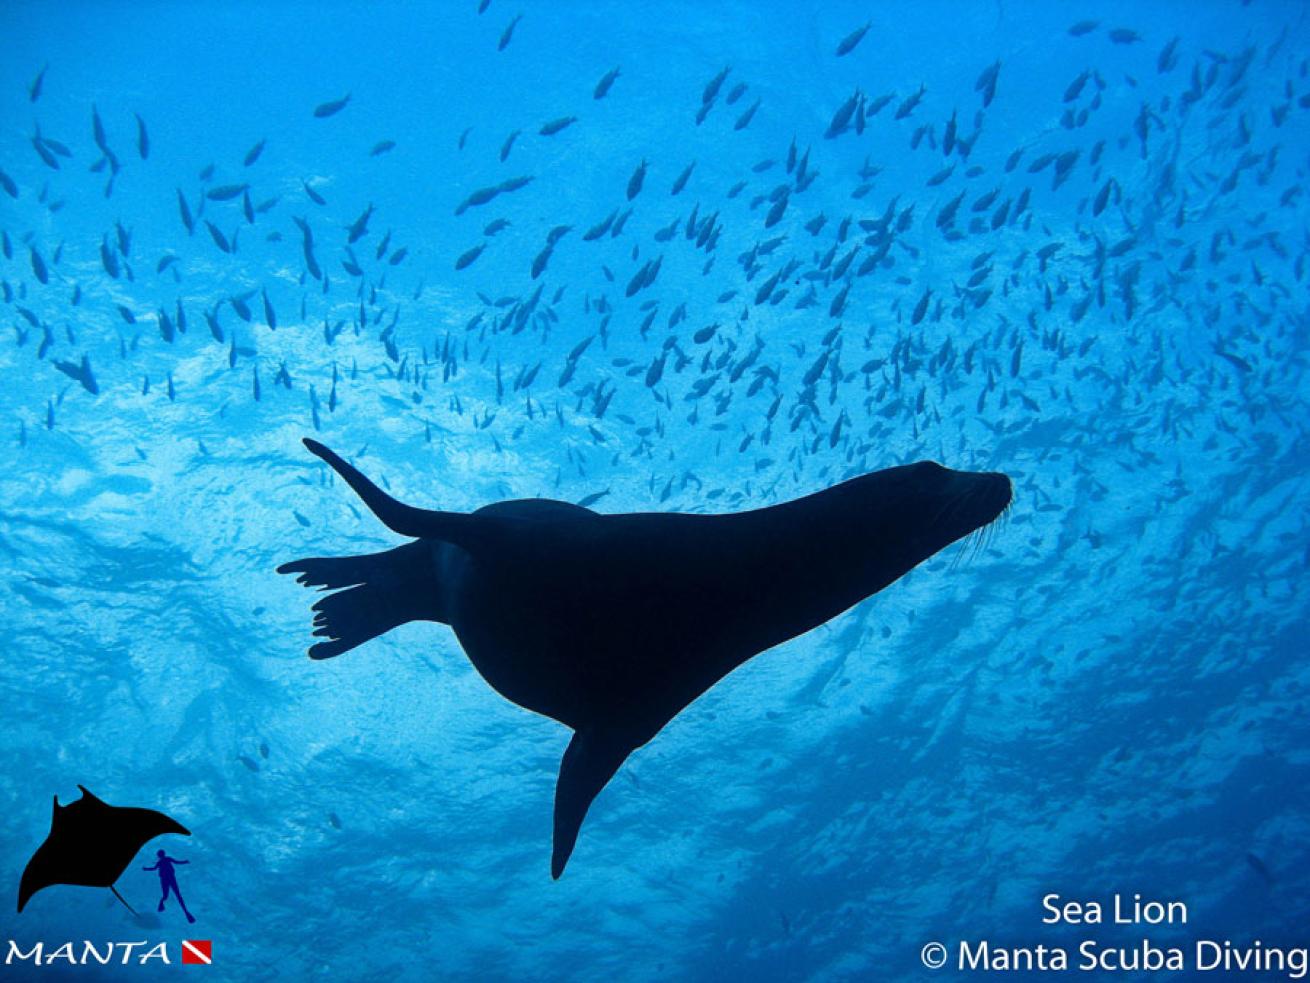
(1105, 694)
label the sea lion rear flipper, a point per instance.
(385, 590)
(589, 762)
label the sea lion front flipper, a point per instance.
(591, 759)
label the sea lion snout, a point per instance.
(983, 494)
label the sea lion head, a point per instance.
(906, 514)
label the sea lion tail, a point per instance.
(454, 527)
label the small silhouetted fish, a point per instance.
(744, 120)
(593, 498)
(508, 34)
(314, 196)
(681, 182)
(1084, 27)
(185, 212)
(38, 266)
(467, 258)
(606, 80)
(1260, 868)
(712, 87)
(263, 745)
(555, 125)
(359, 228)
(249, 762)
(332, 816)
(34, 89)
(304, 522)
(142, 137)
(216, 234)
(98, 131)
(8, 184)
(82, 373)
(1235, 360)
(1168, 57)
(325, 109)
(226, 192)
(1124, 35)
(508, 145)
(253, 153)
(910, 103)
(849, 42)
(44, 153)
(638, 178)
(382, 147)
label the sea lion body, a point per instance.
(612, 624)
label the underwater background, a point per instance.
(1067, 241)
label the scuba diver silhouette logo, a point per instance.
(168, 880)
(92, 842)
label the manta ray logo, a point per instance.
(91, 843)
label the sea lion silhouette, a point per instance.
(612, 624)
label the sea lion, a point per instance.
(612, 624)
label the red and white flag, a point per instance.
(197, 952)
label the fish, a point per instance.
(711, 91)
(556, 125)
(81, 373)
(636, 180)
(382, 147)
(850, 41)
(469, 256)
(38, 266)
(34, 87)
(270, 316)
(508, 144)
(744, 120)
(98, 131)
(325, 109)
(681, 181)
(606, 81)
(142, 137)
(253, 153)
(508, 34)
(220, 240)
(226, 192)
(909, 105)
(359, 228)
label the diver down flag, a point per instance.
(197, 952)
